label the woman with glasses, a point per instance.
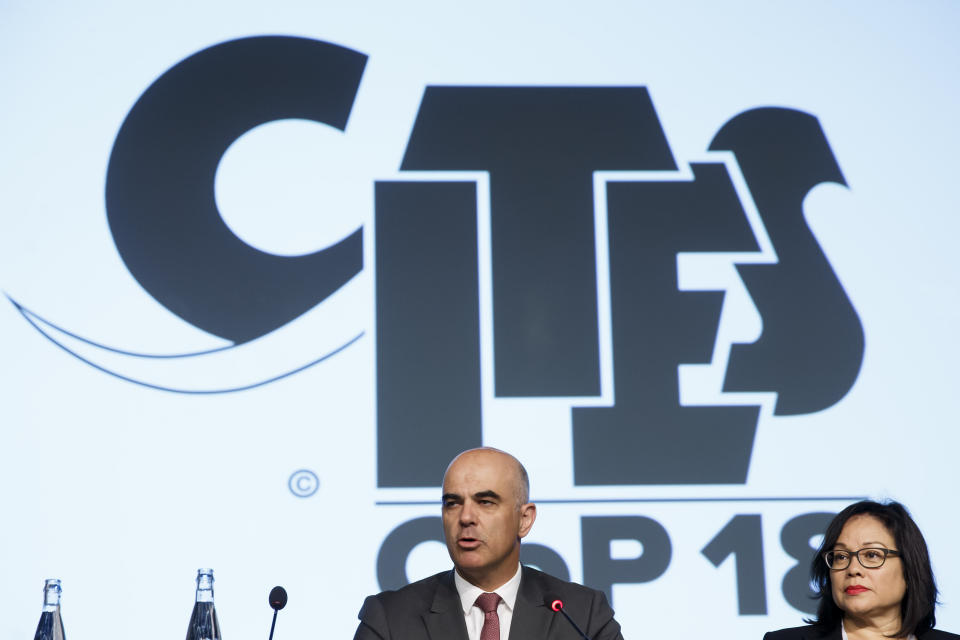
(873, 579)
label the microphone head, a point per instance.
(553, 601)
(278, 598)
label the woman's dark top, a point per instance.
(809, 632)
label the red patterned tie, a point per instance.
(491, 621)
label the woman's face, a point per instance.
(869, 594)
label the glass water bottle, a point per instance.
(51, 624)
(203, 620)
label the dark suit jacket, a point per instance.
(430, 610)
(810, 632)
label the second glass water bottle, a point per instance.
(203, 620)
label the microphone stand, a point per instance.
(274, 623)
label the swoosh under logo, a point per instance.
(220, 370)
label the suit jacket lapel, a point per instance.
(531, 617)
(445, 619)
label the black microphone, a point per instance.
(278, 600)
(554, 601)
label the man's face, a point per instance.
(482, 520)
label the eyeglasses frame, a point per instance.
(886, 552)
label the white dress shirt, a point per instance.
(474, 616)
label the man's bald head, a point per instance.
(520, 480)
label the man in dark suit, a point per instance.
(488, 595)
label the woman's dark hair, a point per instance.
(917, 606)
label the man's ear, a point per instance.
(528, 513)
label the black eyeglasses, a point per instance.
(868, 557)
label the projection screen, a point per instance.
(268, 266)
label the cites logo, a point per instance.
(588, 213)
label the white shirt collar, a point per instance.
(468, 592)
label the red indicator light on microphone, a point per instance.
(556, 605)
